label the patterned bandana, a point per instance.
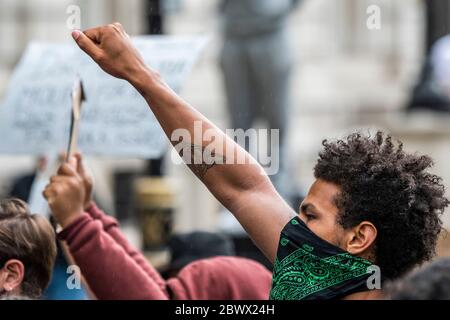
(308, 268)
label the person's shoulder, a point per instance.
(230, 264)
(225, 278)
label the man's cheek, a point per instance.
(322, 231)
(317, 228)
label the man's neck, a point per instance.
(365, 295)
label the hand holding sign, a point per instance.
(66, 193)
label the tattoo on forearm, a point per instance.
(200, 169)
(201, 159)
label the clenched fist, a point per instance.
(66, 193)
(110, 47)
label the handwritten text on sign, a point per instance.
(115, 121)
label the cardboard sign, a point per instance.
(115, 120)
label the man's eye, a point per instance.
(309, 216)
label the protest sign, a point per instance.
(115, 119)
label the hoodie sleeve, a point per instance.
(111, 270)
(111, 226)
(222, 278)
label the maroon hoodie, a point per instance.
(115, 270)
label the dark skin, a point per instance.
(320, 214)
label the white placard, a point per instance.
(115, 120)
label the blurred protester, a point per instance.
(21, 186)
(190, 247)
(27, 251)
(21, 189)
(257, 62)
(371, 203)
(113, 269)
(433, 89)
(429, 283)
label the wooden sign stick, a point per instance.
(78, 97)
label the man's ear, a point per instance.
(13, 273)
(361, 238)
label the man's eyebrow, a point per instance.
(308, 205)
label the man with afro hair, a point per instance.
(372, 213)
(379, 182)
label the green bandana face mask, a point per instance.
(310, 268)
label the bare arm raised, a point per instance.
(241, 186)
